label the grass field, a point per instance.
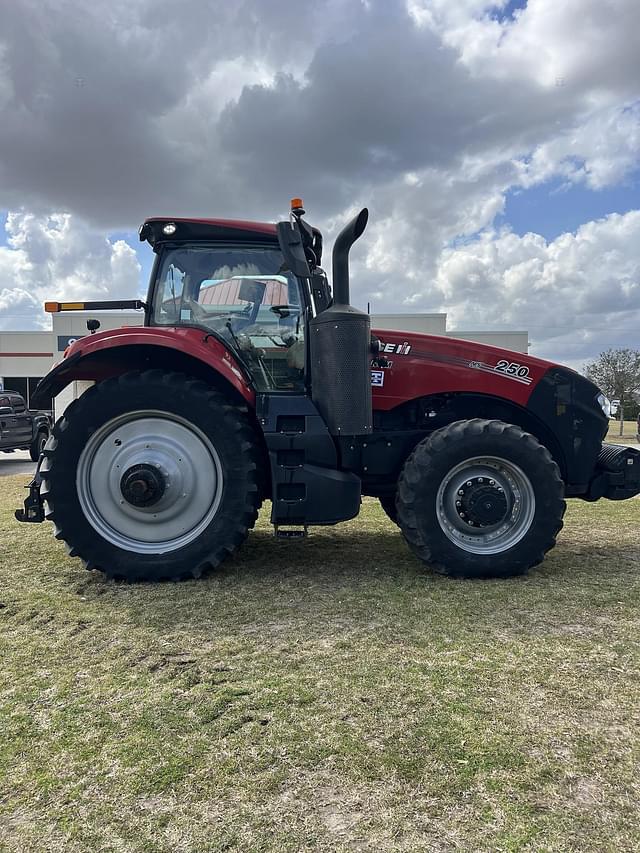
(630, 430)
(323, 695)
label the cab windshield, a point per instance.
(245, 296)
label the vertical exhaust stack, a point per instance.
(340, 348)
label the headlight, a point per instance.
(605, 404)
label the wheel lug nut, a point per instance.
(461, 491)
(480, 479)
(458, 503)
(468, 482)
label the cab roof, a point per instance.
(157, 230)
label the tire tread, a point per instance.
(419, 468)
(241, 520)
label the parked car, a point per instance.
(20, 428)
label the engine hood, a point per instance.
(411, 365)
(463, 347)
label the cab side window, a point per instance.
(171, 286)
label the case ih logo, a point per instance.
(398, 349)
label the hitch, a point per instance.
(33, 505)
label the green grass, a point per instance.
(629, 431)
(323, 695)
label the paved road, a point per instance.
(18, 462)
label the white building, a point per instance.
(436, 324)
(25, 357)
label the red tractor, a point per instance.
(250, 380)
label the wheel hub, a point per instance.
(482, 503)
(485, 505)
(149, 481)
(143, 485)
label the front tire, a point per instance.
(480, 499)
(152, 476)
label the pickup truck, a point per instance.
(21, 429)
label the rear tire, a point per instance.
(37, 445)
(479, 499)
(152, 476)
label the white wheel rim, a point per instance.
(489, 486)
(174, 456)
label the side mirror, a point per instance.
(6, 410)
(290, 241)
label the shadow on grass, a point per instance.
(355, 573)
(364, 580)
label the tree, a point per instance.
(617, 373)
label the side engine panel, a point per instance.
(411, 365)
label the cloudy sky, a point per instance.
(497, 145)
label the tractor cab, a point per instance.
(260, 290)
(252, 285)
(244, 295)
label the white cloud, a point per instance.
(600, 151)
(428, 111)
(58, 257)
(568, 45)
(577, 295)
(231, 108)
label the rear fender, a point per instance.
(186, 349)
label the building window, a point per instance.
(26, 386)
(16, 383)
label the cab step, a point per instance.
(290, 532)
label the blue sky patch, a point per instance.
(508, 11)
(3, 228)
(551, 209)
